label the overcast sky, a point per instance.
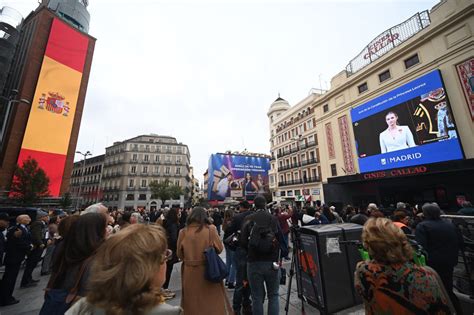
(206, 72)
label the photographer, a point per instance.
(263, 239)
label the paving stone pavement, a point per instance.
(31, 299)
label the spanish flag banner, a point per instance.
(49, 126)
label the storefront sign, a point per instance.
(396, 172)
(315, 191)
(388, 40)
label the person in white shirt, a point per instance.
(395, 137)
(223, 186)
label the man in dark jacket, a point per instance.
(466, 209)
(241, 299)
(38, 239)
(18, 244)
(261, 268)
(441, 240)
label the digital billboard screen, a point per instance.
(237, 176)
(51, 118)
(408, 126)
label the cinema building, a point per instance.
(398, 123)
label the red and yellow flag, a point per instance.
(49, 126)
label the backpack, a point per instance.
(262, 238)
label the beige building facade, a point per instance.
(439, 40)
(131, 165)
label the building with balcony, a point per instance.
(131, 165)
(85, 181)
(422, 69)
(294, 165)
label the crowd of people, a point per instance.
(121, 262)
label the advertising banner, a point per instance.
(408, 126)
(237, 176)
(49, 125)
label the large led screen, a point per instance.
(49, 126)
(237, 176)
(408, 126)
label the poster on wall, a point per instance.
(466, 77)
(48, 130)
(237, 176)
(410, 125)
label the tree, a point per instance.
(66, 201)
(30, 182)
(165, 190)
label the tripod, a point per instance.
(298, 251)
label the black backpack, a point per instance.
(262, 238)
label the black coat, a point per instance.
(17, 247)
(441, 240)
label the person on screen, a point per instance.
(445, 123)
(249, 185)
(260, 184)
(224, 185)
(395, 137)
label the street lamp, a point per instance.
(83, 170)
(10, 104)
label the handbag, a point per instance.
(58, 301)
(216, 269)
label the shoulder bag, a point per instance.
(216, 269)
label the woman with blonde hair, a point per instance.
(200, 296)
(127, 274)
(391, 283)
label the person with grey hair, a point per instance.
(466, 209)
(135, 218)
(401, 206)
(99, 208)
(441, 241)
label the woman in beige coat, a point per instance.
(200, 296)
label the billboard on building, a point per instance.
(408, 126)
(49, 126)
(237, 176)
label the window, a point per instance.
(178, 160)
(147, 147)
(168, 158)
(167, 170)
(145, 169)
(130, 197)
(177, 182)
(157, 158)
(131, 183)
(363, 87)
(157, 170)
(310, 124)
(297, 192)
(146, 158)
(178, 170)
(326, 108)
(384, 76)
(411, 61)
(143, 182)
(282, 193)
(333, 170)
(142, 197)
(134, 157)
(133, 169)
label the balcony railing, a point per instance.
(309, 162)
(306, 180)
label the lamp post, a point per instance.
(84, 155)
(8, 110)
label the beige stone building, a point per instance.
(434, 42)
(131, 165)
